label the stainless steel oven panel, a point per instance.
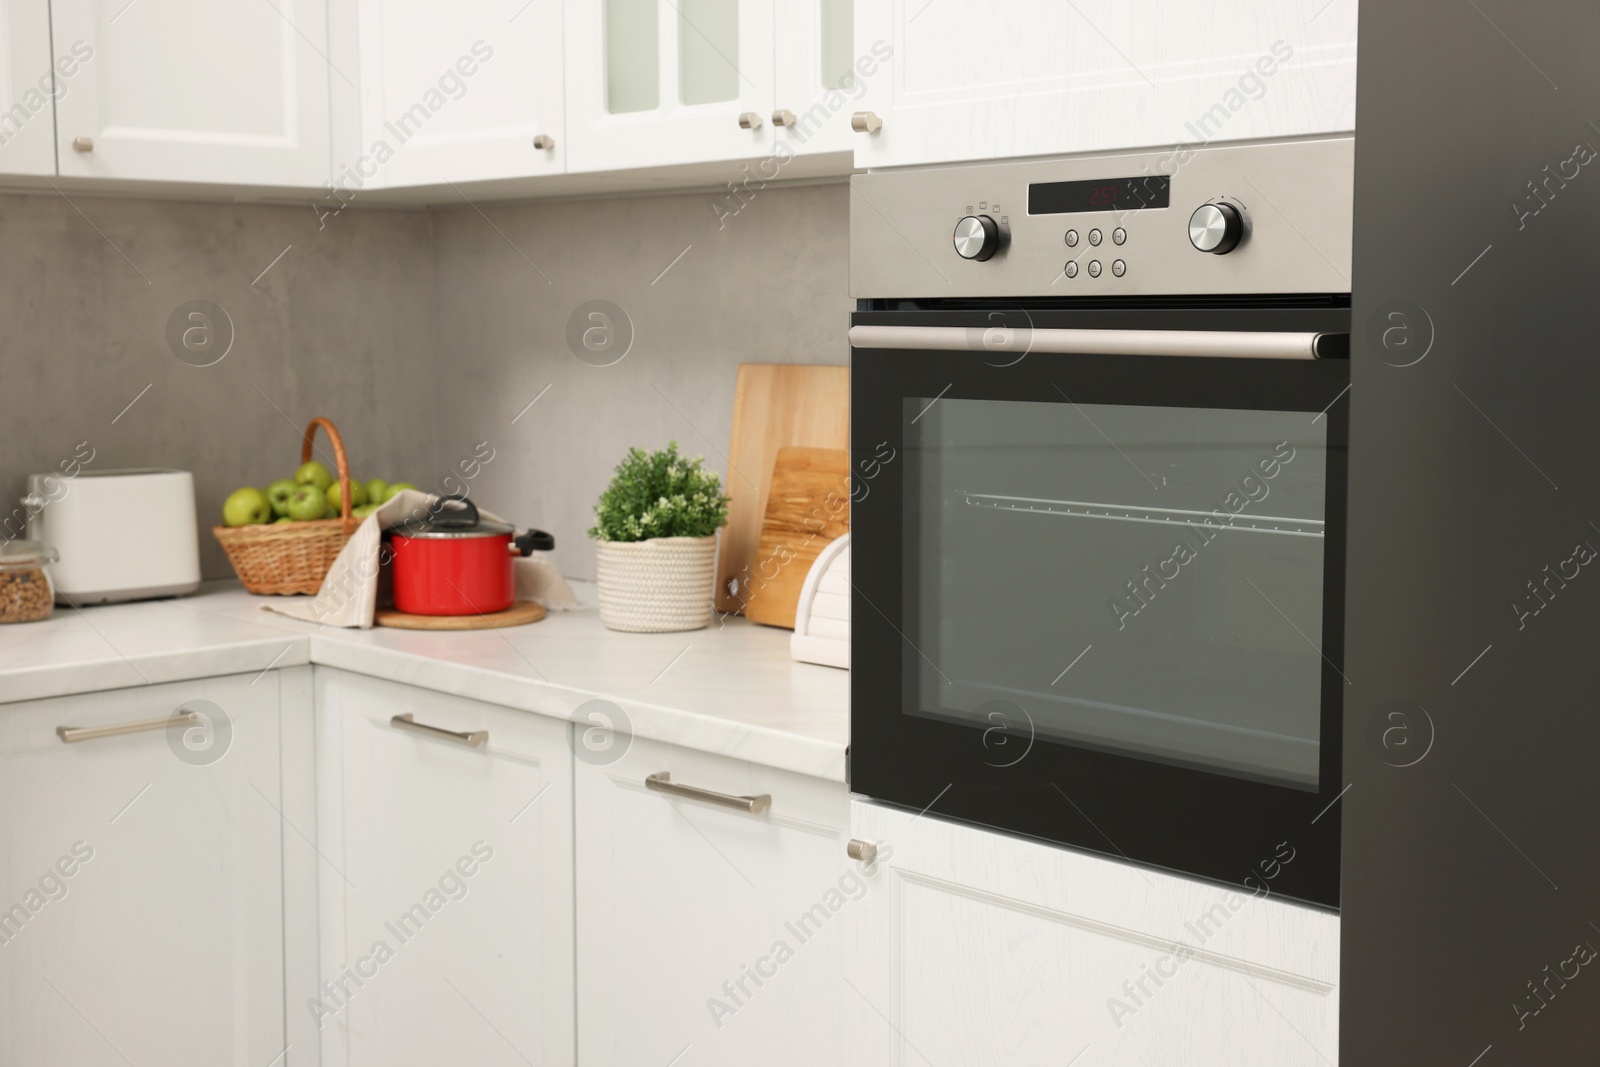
(1294, 197)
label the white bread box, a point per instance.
(822, 618)
(121, 534)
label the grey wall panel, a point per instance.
(1472, 732)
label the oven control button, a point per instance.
(1119, 268)
(1094, 268)
(1094, 237)
(1071, 269)
(1119, 236)
(1216, 228)
(1072, 238)
(977, 237)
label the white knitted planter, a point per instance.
(656, 586)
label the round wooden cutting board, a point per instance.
(518, 614)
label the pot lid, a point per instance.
(452, 516)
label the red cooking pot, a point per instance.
(454, 563)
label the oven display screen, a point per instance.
(1106, 194)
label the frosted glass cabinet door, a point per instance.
(27, 113)
(459, 92)
(663, 82)
(972, 79)
(820, 74)
(196, 91)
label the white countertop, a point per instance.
(730, 689)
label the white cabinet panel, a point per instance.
(978, 948)
(459, 92)
(29, 84)
(448, 916)
(141, 880)
(975, 80)
(662, 82)
(192, 90)
(706, 929)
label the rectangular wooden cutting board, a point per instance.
(774, 405)
(808, 505)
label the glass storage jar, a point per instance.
(26, 594)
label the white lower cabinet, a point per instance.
(142, 879)
(447, 887)
(976, 948)
(709, 935)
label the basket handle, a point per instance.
(339, 461)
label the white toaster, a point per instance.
(121, 534)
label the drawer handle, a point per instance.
(749, 120)
(69, 734)
(470, 738)
(662, 783)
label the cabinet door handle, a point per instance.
(83, 144)
(784, 117)
(69, 734)
(863, 851)
(663, 783)
(470, 738)
(865, 122)
(544, 142)
(750, 120)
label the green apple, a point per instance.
(307, 503)
(246, 507)
(363, 511)
(395, 490)
(281, 519)
(313, 473)
(278, 493)
(376, 487)
(358, 496)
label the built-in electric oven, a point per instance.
(1099, 437)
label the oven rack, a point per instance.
(1082, 509)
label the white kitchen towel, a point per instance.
(349, 594)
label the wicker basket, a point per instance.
(292, 557)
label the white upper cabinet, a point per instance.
(662, 82)
(28, 82)
(819, 73)
(196, 91)
(458, 92)
(971, 79)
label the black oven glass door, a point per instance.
(1099, 600)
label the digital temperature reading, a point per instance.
(1105, 194)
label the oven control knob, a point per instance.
(977, 237)
(1216, 228)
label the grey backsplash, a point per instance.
(419, 333)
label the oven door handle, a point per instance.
(1234, 344)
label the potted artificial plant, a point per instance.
(656, 525)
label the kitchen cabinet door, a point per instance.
(705, 932)
(459, 92)
(818, 75)
(141, 879)
(29, 83)
(654, 83)
(969, 79)
(196, 91)
(975, 947)
(447, 909)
